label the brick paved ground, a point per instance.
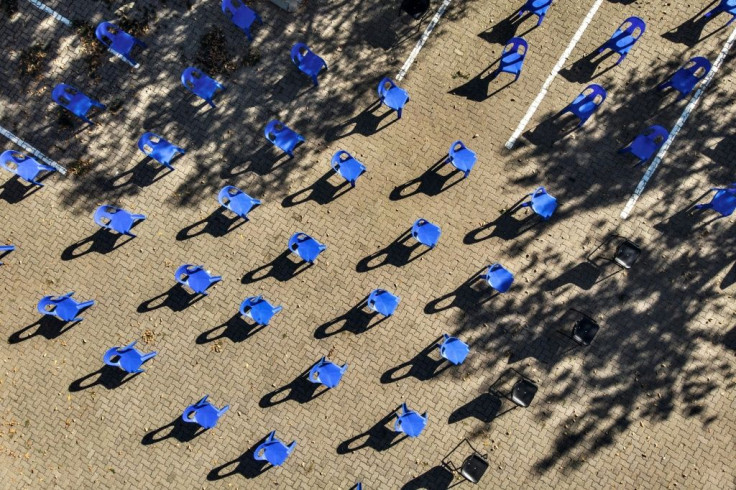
(649, 404)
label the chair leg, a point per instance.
(399, 112)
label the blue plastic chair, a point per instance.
(410, 422)
(63, 307)
(383, 302)
(347, 166)
(687, 76)
(154, 146)
(461, 157)
(647, 143)
(282, 136)
(196, 278)
(258, 309)
(425, 232)
(203, 413)
(25, 167)
(200, 84)
(728, 6)
(117, 219)
(5, 249)
(117, 40)
(625, 37)
(542, 203)
(536, 7)
(512, 57)
(74, 101)
(453, 349)
(499, 278)
(237, 201)
(724, 201)
(308, 62)
(306, 247)
(241, 15)
(273, 450)
(586, 103)
(327, 373)
(127, 358)
(392, 95)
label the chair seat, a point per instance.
(351, 169)
(627, 254)
(523, 392)
(464, 159)
(684, 81)
(67, 309)
(396, 98)
(311, 64)
(261, 312)
(276, 453)
(724, 202)
(474, 467)
(130, 360)
(584, 331)
(329, 374)
(27, 169)
(199, 280)
(643, 147)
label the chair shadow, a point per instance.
(282, 268)
(176, 299)
(469, 296)
(236, 329)
(689, 32)
(300, 390)
(47, 326)
(261, 162)
(504, 30)
(430, 183)
(177, 429)
(217, 224)
(476, 88)
(146, 172)
(422, 366)
(397, 253)
(553, 130)
(367, 123)
(729, 278)
(357, 320)
(584, 275)
(102, 241)
(436, 478)
(110, 377)
(506, 226)
(14, 191)
(245, 465)
(584, 69)
(379, 437)
(322, 192)
(485, 407)
(687, 220)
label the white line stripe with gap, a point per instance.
(678, 126)
(422, 40)
(56, 15)
(560, 63)
(30, 149)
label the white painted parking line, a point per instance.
(126, 60)
(422, 40)
(30, 149)
(53, 13)
(678, 126)
(560, 63)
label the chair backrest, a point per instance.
(103, 214)
(233, 6)
(593, 92)
(10, 160)
(148, 142)
(66, 95)
(184, 271)
(516, 45)
(272, 130)
(47, 305)
(698, 67)
(384, 86)
(499, 277)
(338, 158)
(456, 147)
(630, 25)
(107, 33)
(298, 52)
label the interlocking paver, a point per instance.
(649, 403)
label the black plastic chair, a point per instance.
(474, 466)
(583, 330)
(522, 393)
(626, 254)
(415, 8)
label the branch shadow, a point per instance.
(217, 224)
(102, 241)
(236, 329)
(47, 326)
(245, 465)
(379, 437)
(176, 299)
(430, 183)
(110, 377)
(422, 366)
(282, 268)
(322, 192)
(397, 253)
